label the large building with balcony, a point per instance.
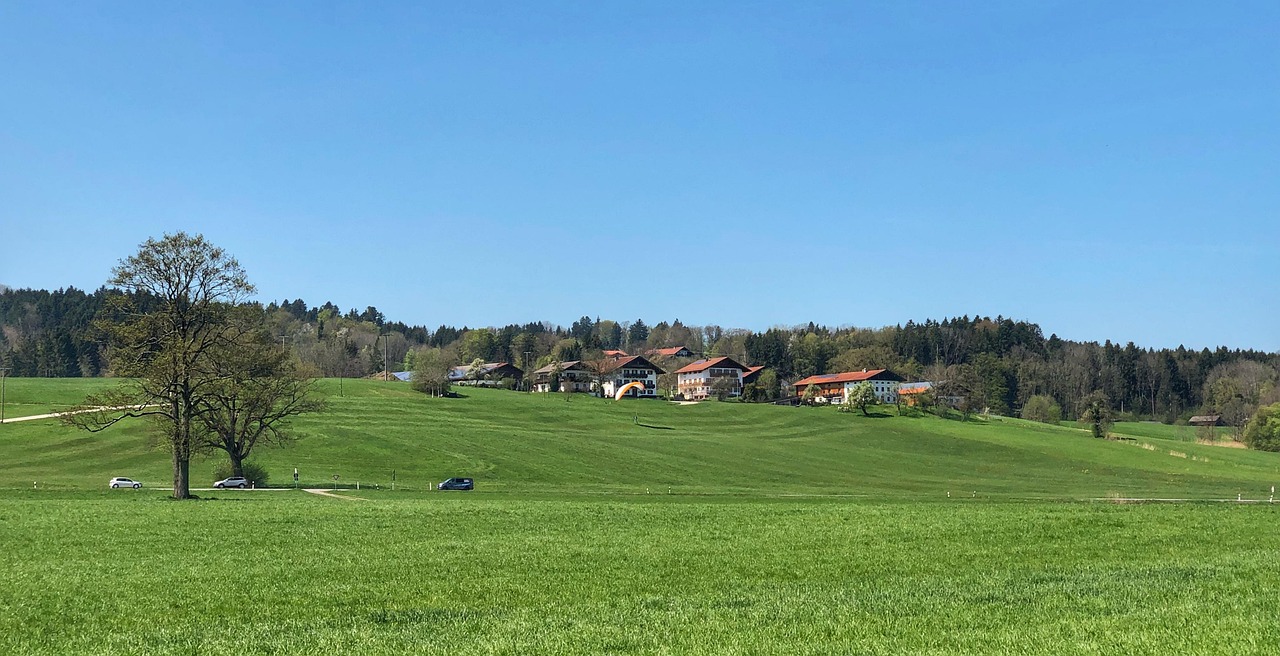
(622, 371)
(571, 376)
(835, 387)
(696, 381)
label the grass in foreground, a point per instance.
(288, 573)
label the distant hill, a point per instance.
(996, 363)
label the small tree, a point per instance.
(553, 379)
(668, 382)
(860, 396)
(810, 395)
(724, 387)
(963, 385)
(1042, 408)
(1096, 411)
(431, 371)
(770, 386)
(925, 400)
(475, 371)
(1263, 430)
(601, 370)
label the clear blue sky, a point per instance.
(1109, 170)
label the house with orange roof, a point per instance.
(694, 381)
(615, 354)
(673, 352)
(835, 387)
(909, 393)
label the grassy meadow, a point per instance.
(288, 573)
(524, 443)
(636, 527)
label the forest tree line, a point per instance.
(1006, 362)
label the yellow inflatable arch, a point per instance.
(626, 388)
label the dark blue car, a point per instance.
(457, 484)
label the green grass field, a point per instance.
(289, 573)
(637, 527)
(526, 443)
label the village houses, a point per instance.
(696, 381)
(835, 387)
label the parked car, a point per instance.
(457, 484)
(235, 481)
(121, 481)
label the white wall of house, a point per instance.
(624, 375)
(697, 386)
(886, 390)
(570, 381)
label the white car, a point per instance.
(121, 481)
(235, 481)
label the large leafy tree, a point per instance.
(1263, 431)
(258, 388)
(163, 337)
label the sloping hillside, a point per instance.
(543, 443)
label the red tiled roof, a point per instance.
(666, 352)
(703, 365)
(615, 354)
(844, 377)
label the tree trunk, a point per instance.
(181, 469)
(237, 463)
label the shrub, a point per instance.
(1263, 431)
(1042, 408)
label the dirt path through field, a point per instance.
(326, 493)
(54, 415)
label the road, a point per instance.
(55, 415)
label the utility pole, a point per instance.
(528, 384)
(4, 371)
(282, 336)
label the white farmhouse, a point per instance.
(695, 381)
